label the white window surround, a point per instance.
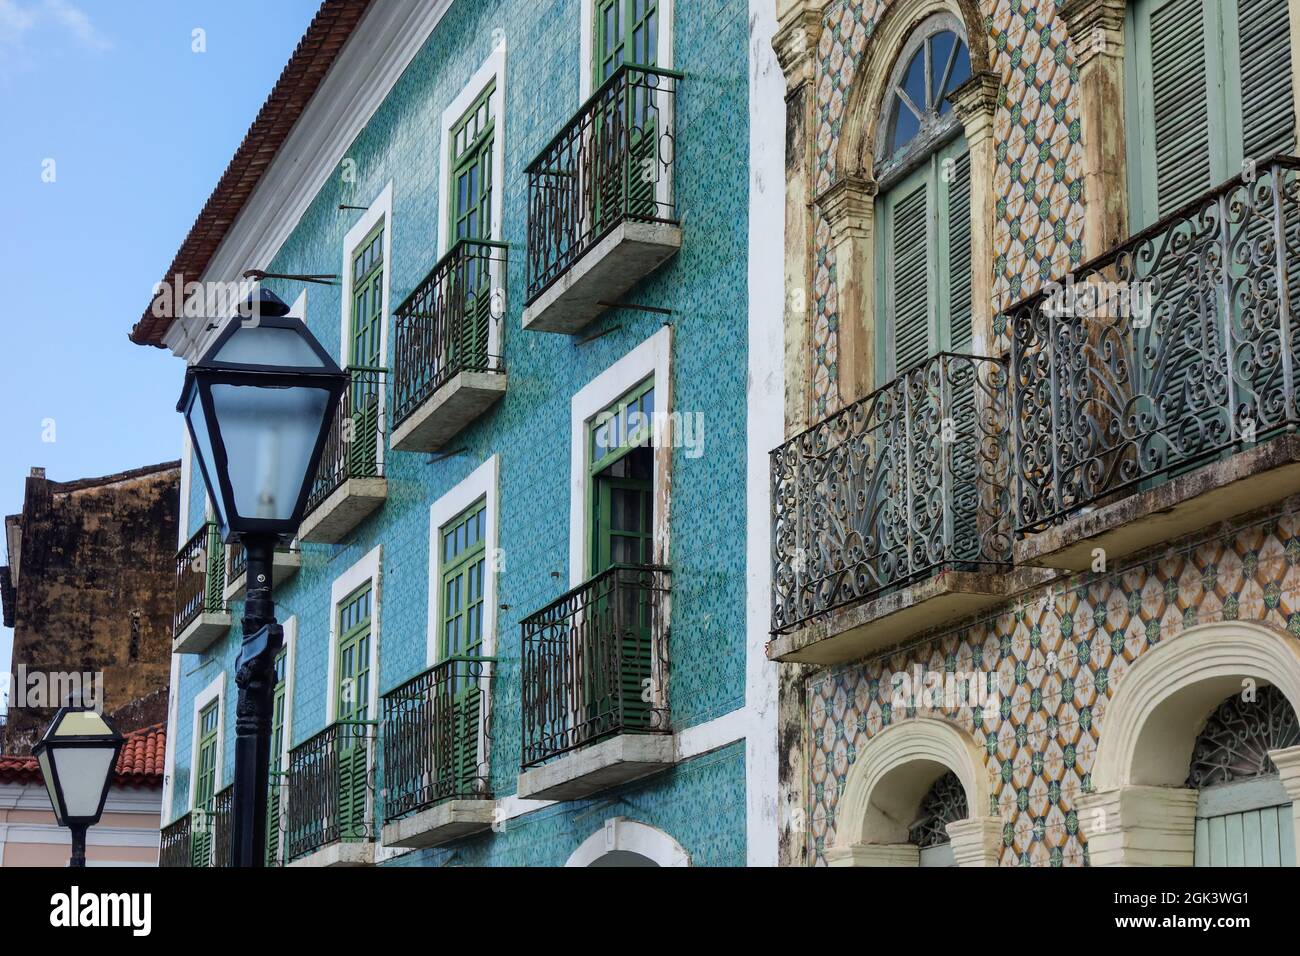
(619, 834)
(369, 569)
(663, 55)
(652, 358)
(379, 211)
(483, 482)
(290, 659)
(214, 691)
(169, 758)
(493, 68)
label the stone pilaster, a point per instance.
(976, 841)
(1140, 826)
(874, 854)
(849, 207)
(1288, 769)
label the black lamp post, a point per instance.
(258, 406)
(77, 756)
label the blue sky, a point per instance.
(139, 127)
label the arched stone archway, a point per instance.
(893, 772)
(623, 842)
(1139, 813)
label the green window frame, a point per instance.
(273, 799)
(205, 783)
(470, 155)
(352, 707)
(1191, 129)
(620, 504)
(462, 546)
(367, 306)
(624, 31)
(924, 260)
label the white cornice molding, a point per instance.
(381, 47)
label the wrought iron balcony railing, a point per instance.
(595, 663)
(200, 577)
(907, 482)
(612, 162)
(1177, 346)
(437, 729)
(237, 561)
(202, 837)
(330, 788)
(354, 446)
(445, 326)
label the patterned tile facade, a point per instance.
(1055, 658)
(1038, 231)
(704, 284)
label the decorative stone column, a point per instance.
(1140, 826)
(976, 841)
(1288, 769)
(874, 854)
(1096, 34)
(795, 42)
(850, 207)
(974, 102)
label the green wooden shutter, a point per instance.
(958, 254)
(1180, 103)
(1267, 108)
(909, 277)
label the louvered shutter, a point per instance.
(1181, 104)
(959, 256)
(1267, 109)
(909, 275)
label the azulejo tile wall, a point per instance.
(1056, 657)
(1038, 232)
(705, 285)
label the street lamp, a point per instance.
(258, 405)
(77, 756)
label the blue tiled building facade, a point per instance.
(689, 318)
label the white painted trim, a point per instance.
(290, 662)
(587, 44)
(33, 796)
(493, 68)
(712, 735)
(214, 691)
(652, 357)
(169, 757)
(628, 836)
(187, 483)
(482, 482)
(380, 49)
(380, 211)
(370, 569)
(764, 425)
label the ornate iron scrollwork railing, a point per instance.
(200, 577)
(612, 162)
(436, 735)
(595, 663)
(445, 326)
(354, 445)
(1174, 347)
(907, 482)
(331, 787)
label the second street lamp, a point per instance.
(258, 406)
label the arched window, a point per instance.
(945, 803)
(1243, 814)
(923, 258)
(1210, 86)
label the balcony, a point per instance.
(201, 615)
(595, 686)
(436, 734)
(601, 214)
(350, 484)
(1156, 394)
(447, 368)
(330, 794)
(201, 838)
(284, 565)
(892, 515)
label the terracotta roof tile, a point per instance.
(140, 763)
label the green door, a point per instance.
(1245, 823)
(366, 353)
(464, 564)
(470, 214)
(619, 661)
(276, 784)
(205, 784)
(353, 709)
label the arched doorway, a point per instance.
(621, 842)
(1165, 768)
